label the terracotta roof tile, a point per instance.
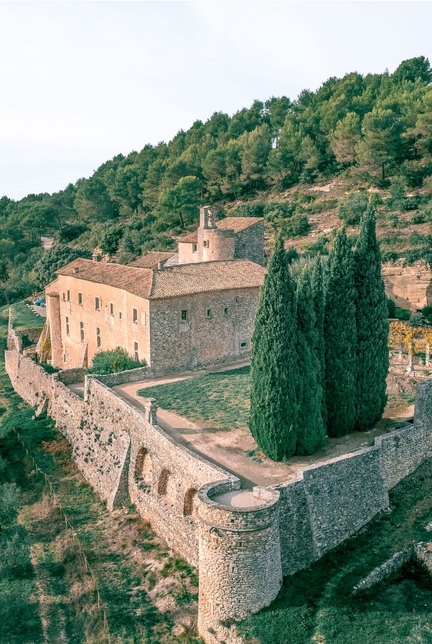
(173, 281)
(151, 259)
(237, 223)
(129, 278)
(203, 277)
(190, 238)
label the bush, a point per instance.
(113, 361)
(391, 306)
(416, 319)
(388, 256)
(402, 314)
(427, 311)
(249, 210)
(71, 231)
(352, 208)
(297, 226)
(412, 256)
(276, 211)
(319, 247)
(394, 221)
(420, 218)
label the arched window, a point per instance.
(163, 482)
(190, 503)
(143, 467)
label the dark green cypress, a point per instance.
(340, 338)
(274, 362)
(318, 294)
(372, 326)
(311, 430)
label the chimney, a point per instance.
(160, 265)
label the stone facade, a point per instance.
(242, 541)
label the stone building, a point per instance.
(176, 317)
(172, 310)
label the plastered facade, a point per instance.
(241, 552)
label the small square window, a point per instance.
(243, 345)
(194, 248)
(209, 314)
(111, 308)
(80, 298)
(134, 315)
(206, 243)
(184, 316)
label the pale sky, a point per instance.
(83, 81)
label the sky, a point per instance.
(83, 81)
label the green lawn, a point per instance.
(219, 400)
(23, 316)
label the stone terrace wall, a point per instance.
(164, 477)
(123, 377)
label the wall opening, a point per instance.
(190, 503)
(163, 482)
(143, 467)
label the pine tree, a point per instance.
(311, 430)
(340, 338)
(372, 326)
(318, 294)
(274, 363)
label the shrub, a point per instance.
(71, 231)
(352, 208)
(249, 210)
(391, 306)
(297, 226)
(427, 311)
(276, 211)
(319, 247)
(388, 256)
(113, 361)
(394, 221)
(420, 218)
(402, 314)
(415, 319)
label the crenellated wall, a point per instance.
(242, 541)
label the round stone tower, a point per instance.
(239, 557)
(213, 244)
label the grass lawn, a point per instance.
(23, 316)
(219, 400)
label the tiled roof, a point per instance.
(152, 259)
(183, 279)
(190, 238)
(236, 224)
(203, 277)
(129, 278)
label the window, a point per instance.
(136, 351)
(68, 296)
(119, 315)
(64, 297)
(226, 311)
(243, 345)
(80, 300)
(111, 308)
(184, 316)
(206, 243)
(209, 314)
(67, 325)
(194, 248)
(134, 315)
(97, 303)
(82, 331)
(98, 337)
(237, 300)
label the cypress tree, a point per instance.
(311, 430)
(340, 338)
(274, 363)
(372, 326)
(318, 294)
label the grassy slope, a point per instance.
(131, 570)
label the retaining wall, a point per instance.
(124, 454)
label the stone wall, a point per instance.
(408, 286)
(71, 376)
(249, 243)
(122, 377)
(241, 551)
